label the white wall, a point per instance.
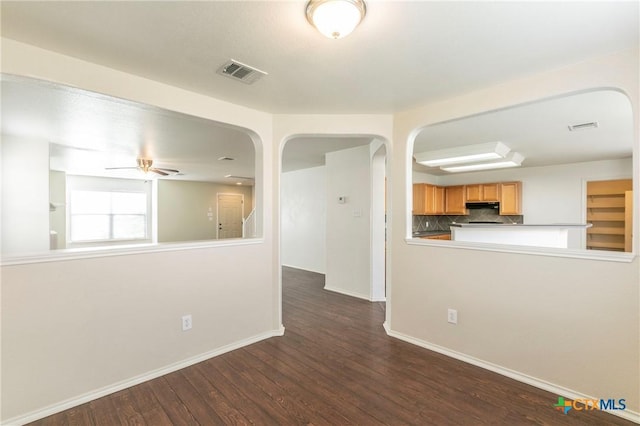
(77, 328)
(542, 319)
(349, 224)
(25, 195)
(58, 217)
(303, 219)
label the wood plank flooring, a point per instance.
(334, 366)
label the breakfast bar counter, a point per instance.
(538, 235)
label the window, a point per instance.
(102, 211)
(104, 216)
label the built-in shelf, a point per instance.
(609, 209)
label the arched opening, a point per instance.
(103, 172)
(333, 219)
(564, 144)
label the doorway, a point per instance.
(332, 212)
(230, 215)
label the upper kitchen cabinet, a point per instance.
(510, 198)
(482, 192)
(455, 200)
(428, 199)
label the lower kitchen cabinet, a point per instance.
(437, 237)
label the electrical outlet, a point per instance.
(452, 316)
(187, 323)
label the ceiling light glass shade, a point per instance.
(335, 18)
(513, 160)
(463, 154)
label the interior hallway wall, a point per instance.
(303, 219)
(349, 221)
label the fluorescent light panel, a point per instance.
(514, 160)
(463, 154)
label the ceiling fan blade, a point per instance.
(158, 171)
(167, 170)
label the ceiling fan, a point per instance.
(145, 165)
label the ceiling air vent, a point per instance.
(583, 126)
(239, 71)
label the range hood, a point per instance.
(483, 205)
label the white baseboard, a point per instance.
(107, 390)
(347, 293)
(521, 377)
(304, 268)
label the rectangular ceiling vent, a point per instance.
(241, 72)
(583, 126)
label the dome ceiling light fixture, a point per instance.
(335, 18)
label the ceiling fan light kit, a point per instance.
(145, 165)
(335, 18)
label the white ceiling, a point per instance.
(539, 130)
(403, 54)
(88, 132)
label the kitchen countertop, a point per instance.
(522, 225)
(430, 233)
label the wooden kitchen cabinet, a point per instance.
(428, 199)
(510, 197)
(482, 192)
(438, 196)
(455, 200)
(437, 237)
(418, 199)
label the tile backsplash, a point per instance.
(442, 223)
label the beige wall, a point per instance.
(567, 324)
(183, 208)
(77, 328)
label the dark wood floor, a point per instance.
(334, 366)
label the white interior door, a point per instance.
(230, 214)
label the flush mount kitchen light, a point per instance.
(335, 18)
(463, 154)
(513, 160)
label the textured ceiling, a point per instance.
(404, 53)
(539, 130)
